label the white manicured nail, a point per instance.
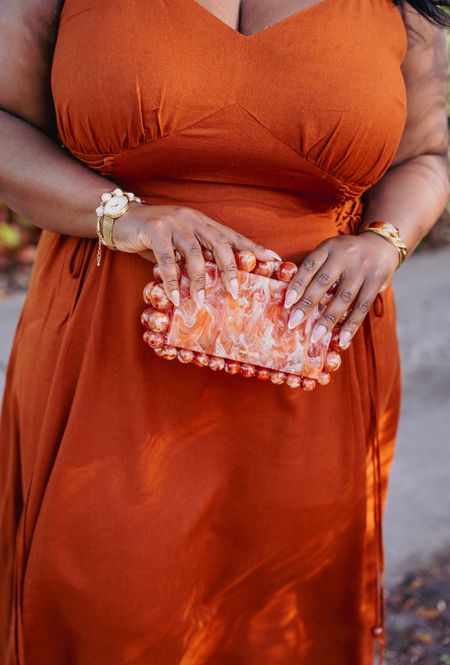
(234, 288)
(274, 254)
(318, 333)
(200, 297)
(344, 337)
(291, 297)
(296, 317)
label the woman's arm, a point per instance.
(414, 191)
(42, 183)
(411, 195)
(38, 179)
(53, 190)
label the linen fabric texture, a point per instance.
(155, 513)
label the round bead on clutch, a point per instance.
(248, 336)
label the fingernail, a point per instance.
(234, 288)
(291, 297)
(175, 297)
(345, 337)
(274, 254)
(318, 333)
(200, 297)
(296, 317)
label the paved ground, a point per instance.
(417, 522)
(9, 311)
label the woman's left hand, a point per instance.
(362, 265)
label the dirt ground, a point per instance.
(418, 617)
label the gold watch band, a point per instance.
(107, 231)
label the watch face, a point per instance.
(116, 206)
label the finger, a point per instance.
(385, 285)
(190, 248)
(239, 242)
(305, 273)
(347, 291)
(362, 304)
(226, 263)
(165, 257)
(216, 240)
(327, 274)
(148, 255)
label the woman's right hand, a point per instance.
(156, 231)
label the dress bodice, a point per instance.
(164, 92)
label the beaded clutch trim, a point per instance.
(247, 336)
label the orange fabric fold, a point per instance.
(153, 512)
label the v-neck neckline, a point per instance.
(259, 33)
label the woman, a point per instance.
(152, 512)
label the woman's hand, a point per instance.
(362, 265)
(156, 231)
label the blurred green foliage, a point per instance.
(18, 239)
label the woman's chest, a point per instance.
(127, 73)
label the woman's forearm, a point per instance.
(41, 182)
(54, 191)
(411, 195)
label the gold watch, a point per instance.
(113, 205)
(391, 234)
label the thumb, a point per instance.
(148, 255)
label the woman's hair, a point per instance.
(430, 9)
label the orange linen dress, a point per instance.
(154, 513)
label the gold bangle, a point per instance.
(390, 233)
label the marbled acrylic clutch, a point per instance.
(249, 335)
